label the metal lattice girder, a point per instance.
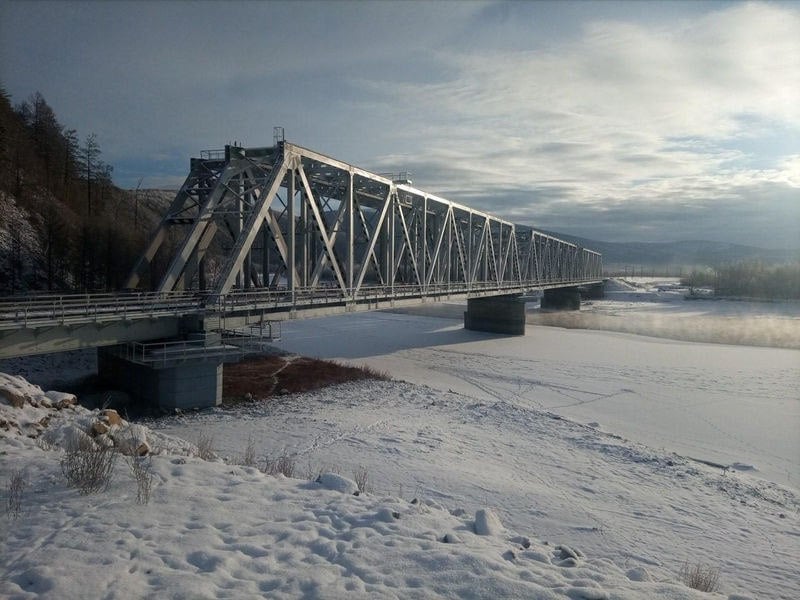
(309, 222)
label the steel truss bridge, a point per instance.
(291, 218)
(271, 232)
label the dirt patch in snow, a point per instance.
(265, 376)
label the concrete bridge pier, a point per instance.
(195, 383)
(566, 298)
(593, 292)
(496, 314)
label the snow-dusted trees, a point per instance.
(61, 183)
(750, 279)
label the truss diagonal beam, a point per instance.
(372, 241)
(251, 228)
(326, 240)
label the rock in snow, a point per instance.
(337, 483)
(638, 574)
(487, 523)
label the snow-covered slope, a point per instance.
(527, 429)
(627, 506)
(217, 530)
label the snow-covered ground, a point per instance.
(727, 404)
(571, 437)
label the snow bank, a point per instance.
(57, 421)
(214, 530)
(548, 480)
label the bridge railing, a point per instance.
(230, 345)
(72, 309)
(67, 308)
(309, 297)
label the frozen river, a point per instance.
(737, 406)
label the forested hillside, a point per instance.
(64, 226)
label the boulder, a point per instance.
(13, 398)
(132, 440)
(61, 400)
(487, 523)
(337, 483)
(99, 428)
(108, 420)
(111, 417)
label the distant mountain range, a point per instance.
(690, 253)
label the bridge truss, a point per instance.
(286, 218)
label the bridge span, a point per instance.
(257, 235)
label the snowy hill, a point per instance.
(550, 465)
(215, 529)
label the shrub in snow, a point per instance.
(205, 446)
(700, 577)
(249, 455)
(487, 523)
(89, 468)
(45, 442)
(283, 465)
(361, 477)
(16, 487)
(337, 483)
(141, 469)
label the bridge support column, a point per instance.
(496, 314)
(567, 298)
(592, 292)
(191, 384)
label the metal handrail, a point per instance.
(82, 308)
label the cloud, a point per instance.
(663, 117)
(647, 117)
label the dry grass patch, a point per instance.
(283, 465)
(88, 467)
(15, 489)
(141, 468)
(266, 376)
(700, 577)
(205, 446)
(361, 477)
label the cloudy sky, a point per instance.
(616, 121)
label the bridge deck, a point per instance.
(50, 323)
